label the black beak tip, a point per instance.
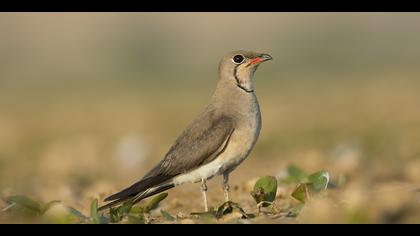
(266, 57)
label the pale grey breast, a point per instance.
(245, 135)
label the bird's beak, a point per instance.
(261, 58)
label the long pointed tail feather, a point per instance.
(139, 187)
(137, 192)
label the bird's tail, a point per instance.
(136, 193)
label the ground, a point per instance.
(73, 145)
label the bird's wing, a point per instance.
(201, 142)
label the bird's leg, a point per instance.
(204, 192)
(226, 186)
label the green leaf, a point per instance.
(137, 210)
(265, 189)
(60, 214)
(114, 215)
(78, 214)
(314, 183)
(301, 192)
(26, 203)
(125, 208)
(319, 181)
(153, 204)
(117, 214)
(296, 173)
(46, 206)
(94, 216)
(167, 216)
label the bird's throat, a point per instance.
(239, 84)
(243, 88)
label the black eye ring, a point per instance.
(238, 59)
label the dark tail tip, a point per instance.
(110, 198)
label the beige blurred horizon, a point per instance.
(90, 101)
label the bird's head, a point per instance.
(239, 66)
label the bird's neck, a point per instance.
(243, 79)
(228, 93)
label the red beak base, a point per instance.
(257, 60)
(261, 58)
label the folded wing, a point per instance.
(201, 142)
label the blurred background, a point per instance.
(90, 101)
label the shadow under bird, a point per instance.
(215, 142)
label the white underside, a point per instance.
(204, 172)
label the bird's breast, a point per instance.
(243, 139)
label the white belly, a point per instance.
(206, 171)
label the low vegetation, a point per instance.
(264, 193)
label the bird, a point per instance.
(219, 139)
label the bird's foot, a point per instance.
(228, 207)
(225, 209)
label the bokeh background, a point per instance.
(90, 101)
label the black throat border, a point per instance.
(238, 82)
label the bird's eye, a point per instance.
(238, 59)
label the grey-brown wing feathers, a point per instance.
(201, 142)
